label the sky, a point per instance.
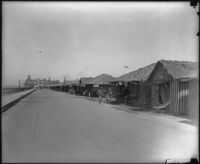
(83, 39)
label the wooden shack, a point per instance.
(175, 83)
(164, 82)
(74, 87)
(85, 85)
(118, 86)
(101, 81)
(138, 88)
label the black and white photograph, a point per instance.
(100, 82)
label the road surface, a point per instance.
(50, 126)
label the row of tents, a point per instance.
(169, 85)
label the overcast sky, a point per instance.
(88, 38)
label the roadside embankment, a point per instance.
(11, 99)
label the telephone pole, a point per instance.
(19, 83)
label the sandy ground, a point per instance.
(50, 126)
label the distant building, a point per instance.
(35, 82)
(29, 82)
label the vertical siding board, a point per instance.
(184, 98)
(178, 98)
(131, 92)
(184, 105)
(169, 97)
(187, 98)
(189, 92)
(185, 102)
(190, 97)
(175, 102)
(168, 90)
(181, 97)
(193, 104)
(176, 93)
(172, 97)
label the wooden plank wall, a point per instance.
(184, 97)
(193, 101)
(134, 98)
(174, 103)
(154, 96)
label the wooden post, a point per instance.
(141, 94)
(19, 83)
(125, 88)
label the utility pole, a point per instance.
(19, 84)
(64, 81)
(125, 82)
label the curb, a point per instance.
(9, 105)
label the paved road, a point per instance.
(50, 126)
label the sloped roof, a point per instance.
(86, 80)
(177, 69)
(193, 74)
(137, 75)
(68, 82)
(181, 69)
(102, 79)
(75, 82)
